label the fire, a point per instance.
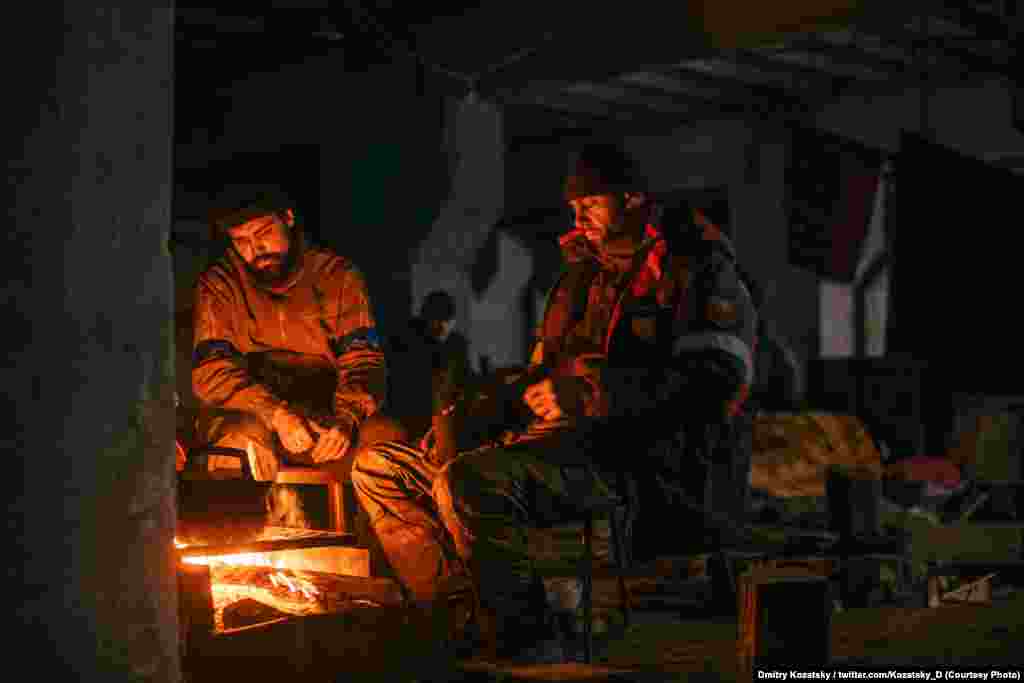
(295, 585)
(284, 576)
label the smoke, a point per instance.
(284, 507)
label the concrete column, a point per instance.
(89, 372)
(443, 260)
(761, 237)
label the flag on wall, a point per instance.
(830, 195)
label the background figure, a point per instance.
(641, 340)
(429, 363)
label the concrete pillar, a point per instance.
(443, 260)
(89, 372)
(760, 231)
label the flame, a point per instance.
(238, 560)
(295, 584)
(281, 577)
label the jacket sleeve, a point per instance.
(358, 353)
(220, 376)
(711, 362)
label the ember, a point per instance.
(279, 583)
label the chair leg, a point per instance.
(336, 506)
(588, 589)
(621, 562)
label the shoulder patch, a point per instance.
(722, 312)
(645, 327)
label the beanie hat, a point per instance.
(602, 168)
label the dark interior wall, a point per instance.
(381, 196)
(535, 214)
(379, 173)
(90, 386)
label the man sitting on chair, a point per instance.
(639, 339)
(287, 363)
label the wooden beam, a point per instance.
(983, 24)
(659, 101)
(817, 80)
(736, 87)
(607, 125)
(596, 46)
(601, 101)
(607, 109)
(553, 137)
(849, 54)
(573, 116)
(955, 51)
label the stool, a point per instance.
(337, 513)
(461, 589)
(613, 506)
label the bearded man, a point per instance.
(643, 359)
(287, 361)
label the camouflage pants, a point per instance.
(235, 429)
(474, 512)
(727, 491)
(306, 383)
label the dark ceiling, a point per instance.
(582, 70)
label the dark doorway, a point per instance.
(295, 168)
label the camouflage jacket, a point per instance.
(320, 318)
(673, 329)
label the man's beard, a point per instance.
(273, 271)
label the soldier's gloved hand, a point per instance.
(291, 429)
(333, 442)
(555, 398)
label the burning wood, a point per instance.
(291, 593)
(250, 587)
(284, 508)
(223, 512)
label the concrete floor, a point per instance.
(662, 646)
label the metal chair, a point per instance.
(618, 508)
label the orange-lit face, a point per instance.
(264, 244)
(598, 215)
(603, 217)
(440, 329)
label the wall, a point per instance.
(749, 161)
(973, 118)
(89, 376)
(382, 165)
(444, 259)
(382, 146)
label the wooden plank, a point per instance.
(323, 541)
(301, 593)
(304, 475)
(195, 609)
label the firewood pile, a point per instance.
(279, 574)
(244, 595)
